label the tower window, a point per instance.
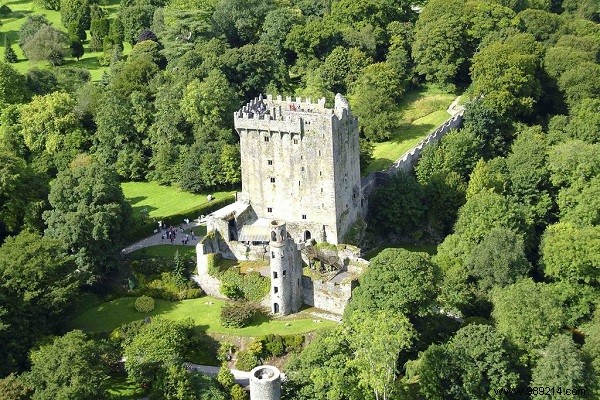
(269, 162)
(303, 216)
(302, 169)
(320, 173)
(275, 274)
(272, 180)
(266, 138)
(295, 141)
(275, 289)
(319, 153)
(298, 183)
(269, 209)
(272, 254)
(284, 272)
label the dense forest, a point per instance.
(509, 300)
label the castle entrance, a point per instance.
(307, 236)
(275, 308)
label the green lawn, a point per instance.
(422, 112)
(108, 316)
(22, 8)
(170, 204)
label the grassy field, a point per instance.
(22, 8)
(166, 251)
(204, 311)
(170, 204)
(422, 112)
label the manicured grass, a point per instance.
(170, 204)
(166, 251)
(164, 201)
(422, 112)
(108, 316)
(21, 9)
(430, 249)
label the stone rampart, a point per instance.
(409, 160)
(327, 295)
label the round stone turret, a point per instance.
(265, 383)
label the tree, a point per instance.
(493, 131)
(561, 366)
(157, 346)
(373, 98)
(68, 368)
(210, 101)
(134, 20)
(240, 21)
(48, 44)
(5, 11)
(14, 387)
(528, 313)
(51, 126)
(12, 85)
(376, 339)
(504, 74)
(99, 29)
(89, 216)
(77, 49)
(571, 254)
(9, 53)
(75, 12)
(397, 206)
(398, 281)
(498, 260)
(32, 24)
(225, 377)
(442, 48)
(321, 371)
(38, 287)
(473, 365)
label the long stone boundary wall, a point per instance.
(408, 161)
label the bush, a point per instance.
(127, 331)
(168, 287)
(237, 314)
(293, 343)
(238, 393)
(274, 345)
(246, 360)
(144, 304)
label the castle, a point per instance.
(300, 186)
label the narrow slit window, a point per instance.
(272, 180)
(269, 209)
(269, 162)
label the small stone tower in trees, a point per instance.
(286, 271)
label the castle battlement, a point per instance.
(292, 113)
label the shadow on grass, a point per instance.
(15, 2)
(135, 200)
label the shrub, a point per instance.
(169, 287)
(293, 343)
(238, 393)
(274, 345)
(127, 331)
(144, 304)
(225, 377)
(246, 360)
(237, 314)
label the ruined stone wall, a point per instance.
(300, 164)
(327, 295)
(209, 284)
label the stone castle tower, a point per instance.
(286, 271)
(300, 164)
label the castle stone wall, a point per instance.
(326, 295)
(300, 164)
